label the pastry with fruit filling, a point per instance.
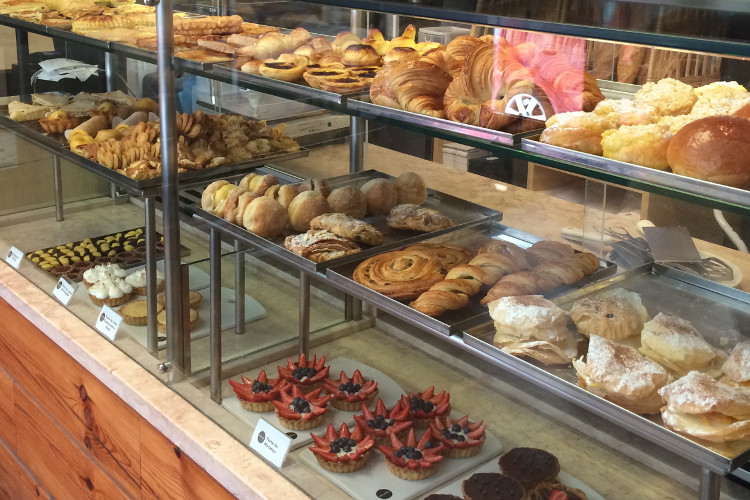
(381, 423)
(307, 374)
(258, 395)
(350, 393)
(425, 406)
(342, 451)
(300, 411)
(58, 122)
(461, 438)
(411, 460)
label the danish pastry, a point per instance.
(417, 218)
(320, 245)
(401, 275)
(346, 227)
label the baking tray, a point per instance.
(698, 187)
(463, 213)
(474, 313)
(437, 126)
(231, 74)
(57, 145)
(720, 313)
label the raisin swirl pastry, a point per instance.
(401, 275)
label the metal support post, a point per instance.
(185, 301)
(239, 289)
(170, 191)
(215, 316)
(304, 313)
(357, 145)
(348, 316)
(357, 22)
(710, 487)
(22, 55)
(392, 28)
(110, 70)
(152, 339)
(356, 309)
(57, 179)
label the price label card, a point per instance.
(14, 257)
(271, 443)
(108, 322)
(64, 291)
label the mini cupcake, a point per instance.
(381, 423)
(111, 292)
(460, 438)
(258, 395)
(342, 451)
(425, 406)
(137, 280)
(349, 394)
(411, 460)
(307, 374)
(300, 411)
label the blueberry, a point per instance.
(456, 428)
(446, 432)
(403, 449)
(335, 449)
(371, 423)
(352, 443)
(260, 387)
(418, 454)
(461, 438)
(357, 387)
(428, 406)
(413, 399)
(342, 387)
(466, 430)
(428, 445)
(379, 418)
(347, 449)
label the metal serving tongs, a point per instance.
(711, 268)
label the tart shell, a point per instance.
(410, 474)
(344, 467)
(301, 425)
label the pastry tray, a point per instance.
(720, 313)
(229, 73)
(698, 187)
(474, 313)
(58, 145)
(463, 213)
(446, 129)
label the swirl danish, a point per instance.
(402, 274)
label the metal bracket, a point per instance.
(163, 368)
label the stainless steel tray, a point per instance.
(721, 314)
(438, 126)
(230, 74)
(57, 144)
(474, 313)
(463, 213)
(704, 189)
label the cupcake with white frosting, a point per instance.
(111, 292)
(138, 281)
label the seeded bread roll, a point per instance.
(381, 195)
(411, 188)
(348, 200)
(305, 207)
(265, 217)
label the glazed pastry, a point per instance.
(676, 345)
(308, 374)
(135, 313)
(137, 280)
(621, 374)
(360, 55)
(348, 200)
(342, 451)
(381, 196)
(533, 327)
(529, 466)
(161, 321)
(511, 250)
(615, 315)
(381, 422)
(704, 408)
(305, 207)
(350, 394)
(411, 460)
(460, 438)
(346, 227)
(411, 188)
(491, 485)
(301, 411)
(736, 368)
(215, 195)
(401, 275)
(425, 406)
(320, 245)
(111, 292)
(265, 217)
(417, 218)
(257, 395)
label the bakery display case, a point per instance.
(269, 256)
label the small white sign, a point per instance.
(64, 290)
(108, 322)
(14, 257)
(271, 443)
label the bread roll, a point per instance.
(315, 185)
(265, 217)
(305, 207)
(744, 111)
(381, 195)
(360, 55)
(715, 149)
(411, 188)
(260, 183)
(348, 200)
(208, 198)
(229, 213)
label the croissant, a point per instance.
(458, 50)
(452, 293)
(416, 86)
